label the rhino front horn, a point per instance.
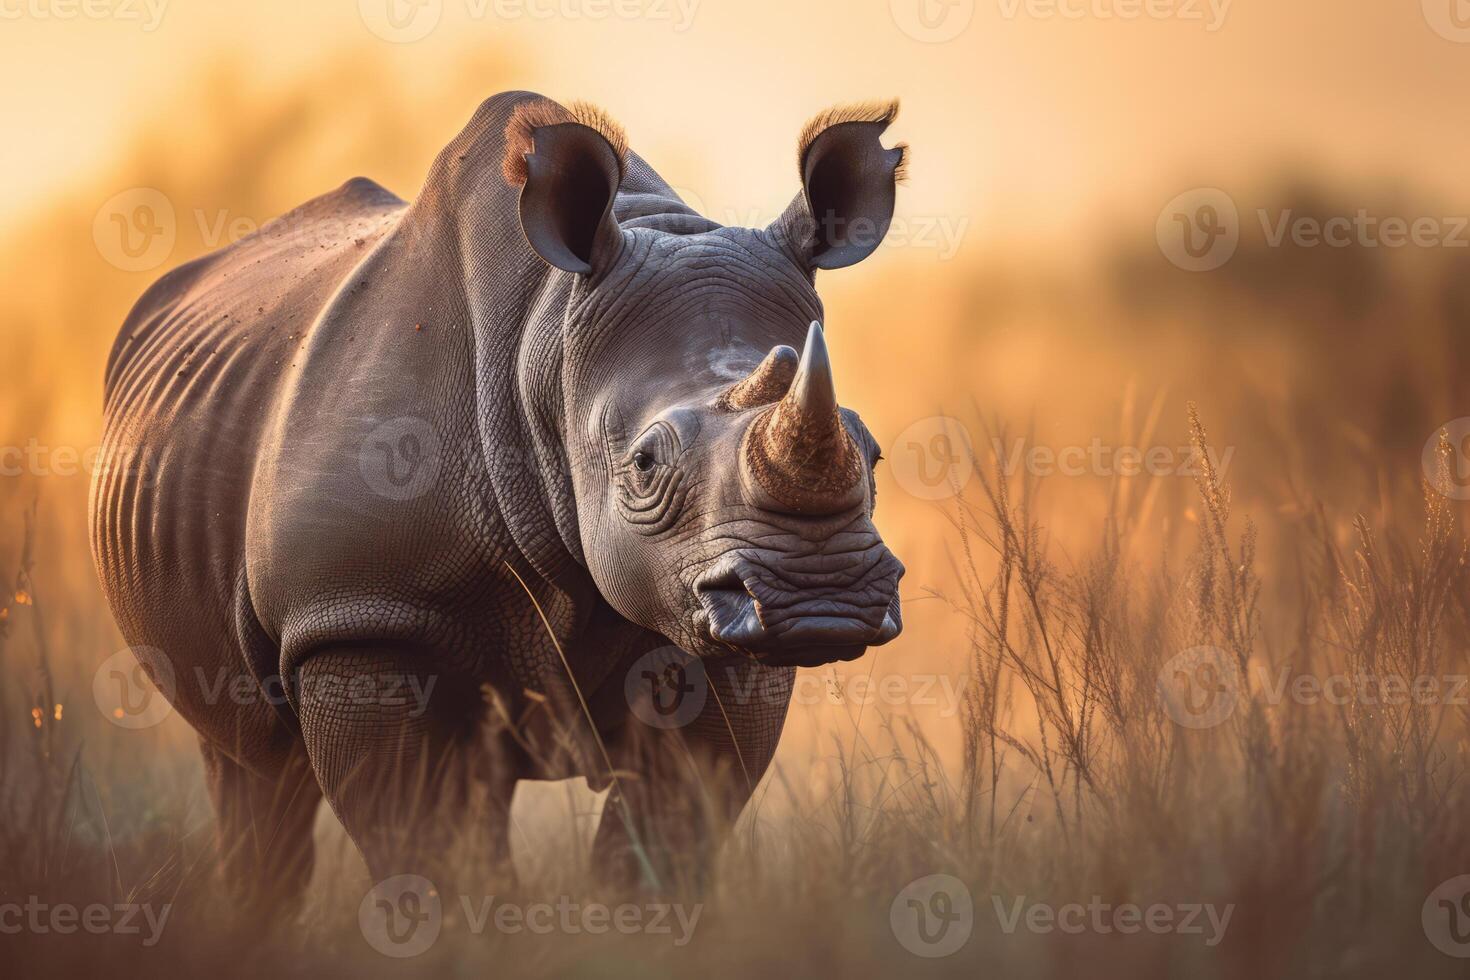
(799, 451)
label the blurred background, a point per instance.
(1113, 210)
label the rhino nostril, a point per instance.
(722, 581)
(733, 617)
(734, 614)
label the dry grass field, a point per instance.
(1209, 717)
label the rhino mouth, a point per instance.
(747, 609)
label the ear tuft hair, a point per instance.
(901, 172)
(860, 112)
(527, 117)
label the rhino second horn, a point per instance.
(766, 384)
(799, 451)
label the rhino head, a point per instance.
(723, 497)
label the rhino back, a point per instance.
(192, 382)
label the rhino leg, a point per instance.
(264, 829)
(663, 828)
(390, 741)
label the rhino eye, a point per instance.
(652, 488)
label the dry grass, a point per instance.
(1324, 826)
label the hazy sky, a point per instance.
(1036, 115)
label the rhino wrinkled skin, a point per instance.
(354, 459)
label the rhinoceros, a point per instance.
(424, 487)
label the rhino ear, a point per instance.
(848, 180)
(569, 164)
